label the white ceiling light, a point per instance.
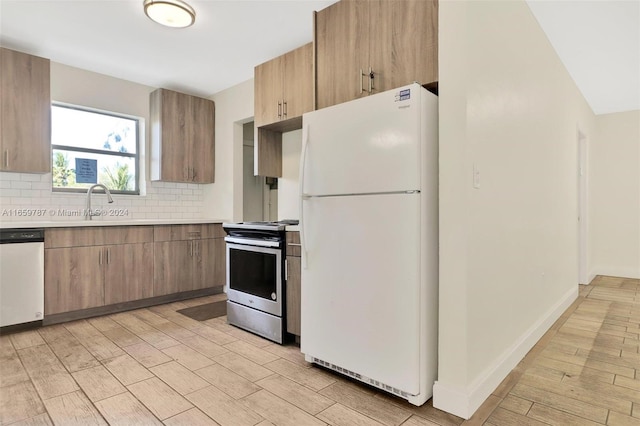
(171, 13)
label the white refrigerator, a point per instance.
(369, 237)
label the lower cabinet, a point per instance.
(293, 282)
(89, 267)
(173, 267)
(87, 277)
(293, 295)
(74, 279)
(128, 272)
(189, 260)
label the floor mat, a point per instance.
(206, 311)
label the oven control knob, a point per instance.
(273, 296)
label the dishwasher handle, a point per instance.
(23, 235)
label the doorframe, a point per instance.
(582, 205)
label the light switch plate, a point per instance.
(476, 176)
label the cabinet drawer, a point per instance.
(187, 232)
(96, 236)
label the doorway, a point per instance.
(259, 194)
(582, 209)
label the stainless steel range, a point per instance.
(256, 277)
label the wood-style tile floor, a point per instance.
(155, 366)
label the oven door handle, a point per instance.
(252, 242)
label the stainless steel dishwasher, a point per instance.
(21, 276)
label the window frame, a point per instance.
(135, 156)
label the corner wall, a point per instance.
(509, 114)
(614, 195)
(234, 107)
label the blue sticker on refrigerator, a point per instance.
(403, 95)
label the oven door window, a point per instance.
(253, 272)
(254, 277)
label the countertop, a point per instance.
(100, 222)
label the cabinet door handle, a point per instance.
(6, 158)
(284, 109)
(362, 74)
(193, 174)
(100, 257)
(185, 173)
(197, 243)
(371, 80)
(279, 109)
(191, 248)
(108, 256)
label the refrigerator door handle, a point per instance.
(303, 196)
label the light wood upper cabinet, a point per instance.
(369, 46)
(342, 50)
(284, 89)
(283, 92)
(182, 137)
(25, 113)
(298, 83)
(203, 154)
(268, 92)
(403, 44)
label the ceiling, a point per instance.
(598, 41)
(114, 37)
(599, 44)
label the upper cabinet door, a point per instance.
(182, 137)
(170, 134)
(403, 42)
(342, 51)
(298, 82)
(202, 151)
(25, 113)
(268, 91)
(284, 88)
(392, 42)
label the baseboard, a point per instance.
(633, 273)
(463, 402)
(127, 306)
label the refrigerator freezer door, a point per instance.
(361, 289)
(369, 145)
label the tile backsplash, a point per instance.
(28, 197)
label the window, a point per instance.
(93, 147)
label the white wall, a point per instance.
(508, 250)
(288, 189)
(614, 195)
(234, 107)
(159, 200)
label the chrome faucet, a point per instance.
(88, 213)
